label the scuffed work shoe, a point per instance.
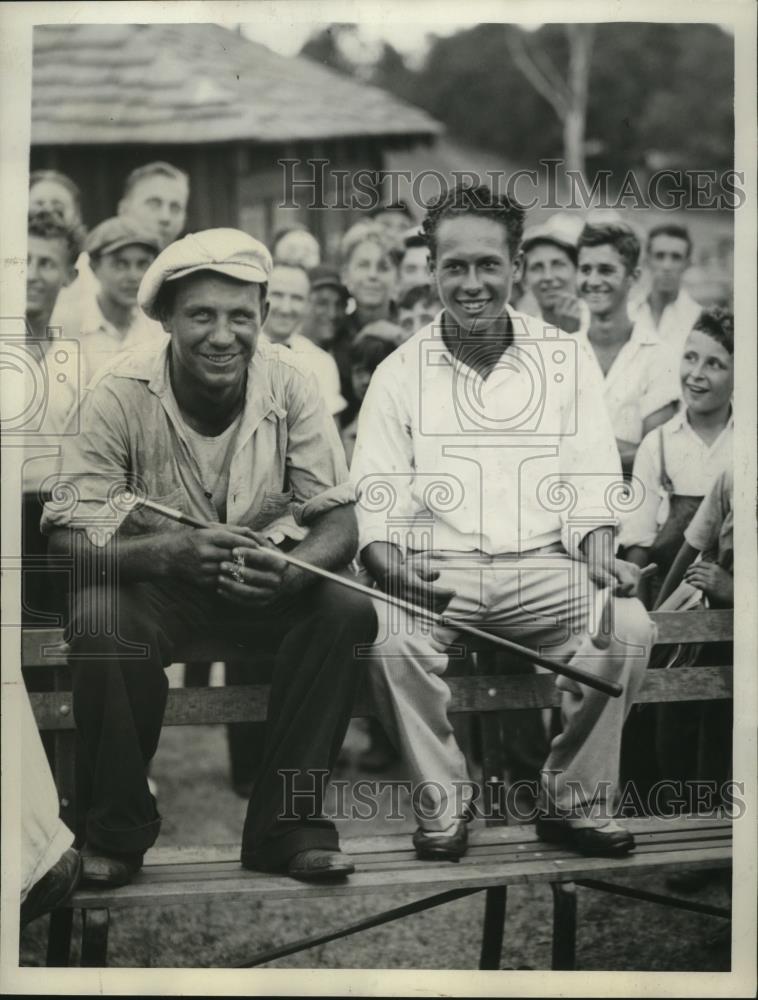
(54, 888)
(608, 841)
(442, 847)
(108, 871)
(320, 865)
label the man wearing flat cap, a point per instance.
(229, 429)
(550, 273)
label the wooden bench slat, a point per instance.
(427, 877)
(248, 703)
(38, 646)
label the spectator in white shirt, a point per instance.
(549, 272)
(641, 386)
(677, 463)
(289, 288)
(484, 493)
(668, 309)
(154, 201)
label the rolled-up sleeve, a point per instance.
(589, 463)
(316, 466)
(93, 466)
(383, 465)
(639, 526)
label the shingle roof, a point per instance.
(186, 83)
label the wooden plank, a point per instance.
(440, 877)
(38, 646)
(248, 703)
(694, 626)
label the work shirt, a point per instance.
(323, 366)
(691, 464)
(287, 465)
(711, 530)
(89, 342)
(445, 460)
(675, 323)
(644, 377)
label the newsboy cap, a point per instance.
(225, 251)
(118, 232)
(561, 229)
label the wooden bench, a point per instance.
(499, 855)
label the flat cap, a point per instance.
(323, 276)
(225, 251)
(118, 232)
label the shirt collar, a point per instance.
(434, 329)
(94, 320)
(680, 422)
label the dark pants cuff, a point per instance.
(135, 840)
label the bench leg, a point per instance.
(494, 927)
(59, 938)
(564, 926)
(95, 925)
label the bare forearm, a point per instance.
(330, 544)
(139, 559)
(675, 575)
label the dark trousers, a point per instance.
(120, 692)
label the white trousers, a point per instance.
(44, 836)
(546, 602)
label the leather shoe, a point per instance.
(54, 888)
(108, 871)
(320, 865)
(448, 847)
(594, 841)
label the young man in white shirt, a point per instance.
(668, 309)
(472, 436)
(289, 289)
(639, 371)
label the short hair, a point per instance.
(399, 207)
(475, 200)
(670, 229)
(368, 352)
(48, 225)
(157, 169)
(365, 232)
(426, 294)
(718, 324)
(285, 231)
(166, 297)
(619, 235)
(53, 175)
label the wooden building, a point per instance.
(108, 98)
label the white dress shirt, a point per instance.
(644, 377)
(692, 465)
(445, 460)
(323, 366)
(676, 321)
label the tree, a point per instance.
(566, 93)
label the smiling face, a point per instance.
(52, 196)
(48, 269)
(474, 270)
(668, 258)
(214, 324)
(370, 275)
(157, 204)
(288, 296)
(120, 273)
(604, 282)
(549, 273)
(707, 373)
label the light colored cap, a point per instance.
(561, 229)
(225, 251)
(117, 232)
